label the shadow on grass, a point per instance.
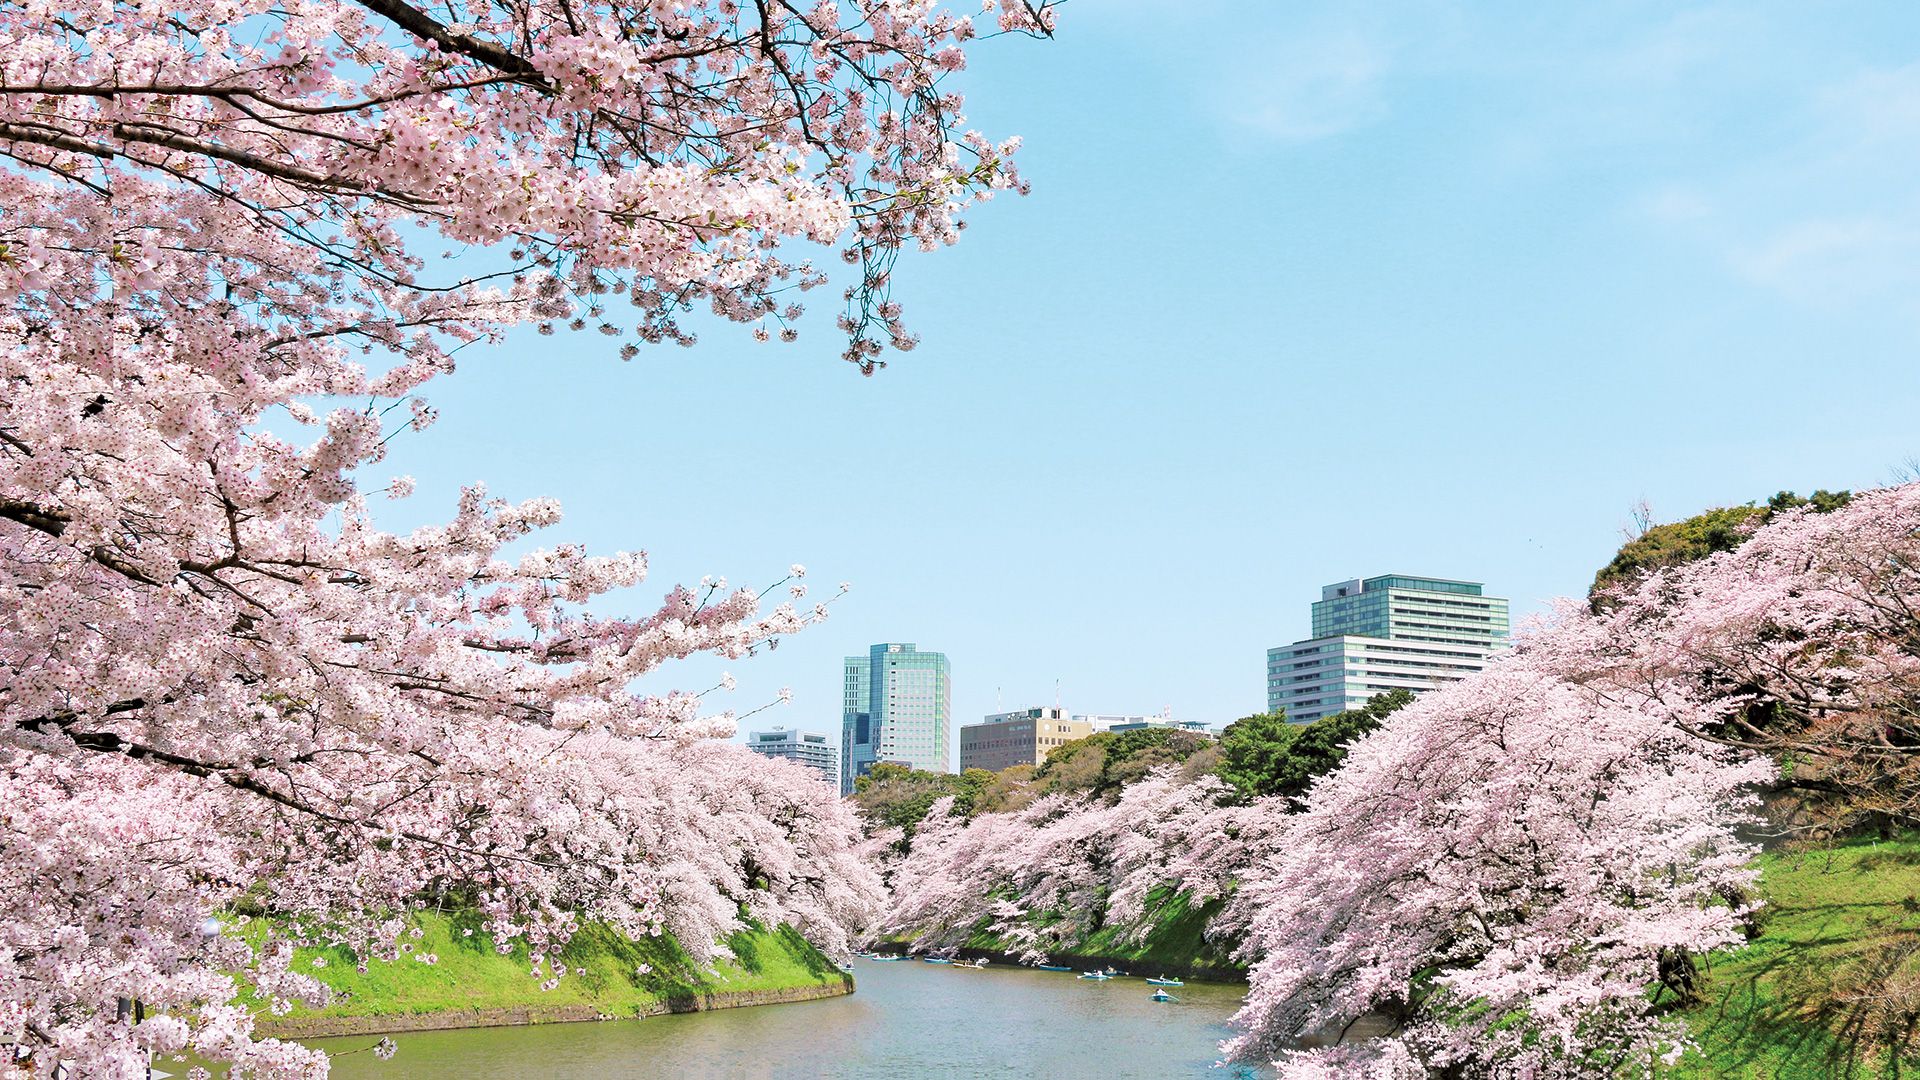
(746, 952)
(813, 959)
(466, 927)
(1887, 859)
(1766, 1018)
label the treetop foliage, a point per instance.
(895, 796)
(1720, 529)
(1265, 754)
(1256, 756)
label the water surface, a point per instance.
(906, 1020)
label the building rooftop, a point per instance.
(1356, 586)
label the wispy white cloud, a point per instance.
(1876, 108)
(1834, 262)
(1759, 132)
(1310, 88)
(1824, 213)
(1292, 72)
(1677, 203)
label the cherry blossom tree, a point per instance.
(1807, 631)
(1495, 879)
(224, 683)
(1045, 877)
(1496, 876)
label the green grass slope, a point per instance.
(1835, 914)
(604, 976)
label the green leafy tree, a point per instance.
(1014, 788)
(1720, 529)
(1106, 761)
(898, 796)
(1264, 754)
(1254, 750)
(1822, 501)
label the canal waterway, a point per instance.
(907, 1020)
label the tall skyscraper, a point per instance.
(897, 705)
(1385, 633)
(808, 748)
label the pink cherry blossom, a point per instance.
(1044, 877)
(222, 677)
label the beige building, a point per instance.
(1024, 737)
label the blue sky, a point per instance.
(1303, 292)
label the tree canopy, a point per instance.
(1720, 529)
(238, 241)
(1265, 754)
(895, 796)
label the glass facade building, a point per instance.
(897, 704)
(1402, 608)
(1392, 632)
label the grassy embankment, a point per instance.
(472, 985)
(1830, 909)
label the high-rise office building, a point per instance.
(1391, 632)
(897, 702)
(808, 748)
(1021, 737)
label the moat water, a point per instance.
(906, 1020)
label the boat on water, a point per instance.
(884, 959)
(1097, 975)
(1162, 995)
(1164, 981)
(937, 959)
(1051, 967)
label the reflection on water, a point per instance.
(908, 1019)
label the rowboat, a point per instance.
(1052, 967)
(1164, 981)
(1095, 975)
(884, 959)
(936, 960)
(1162, 995)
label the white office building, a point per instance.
(1134, 722)
(808, 748)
